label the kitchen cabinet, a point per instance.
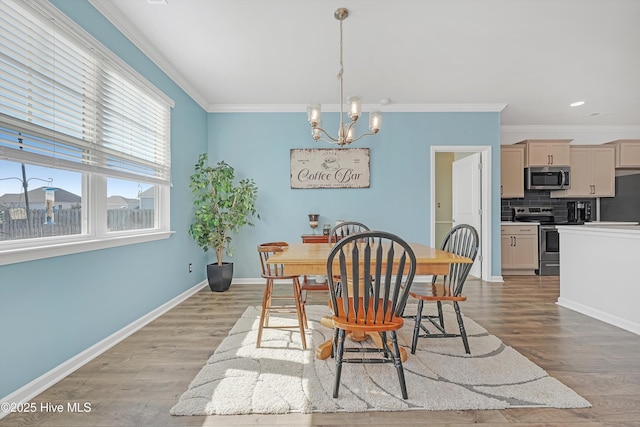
(592, 172)
(511, 171)
(519, 248)
(546, 152)
(627, 153)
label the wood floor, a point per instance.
(136, 382)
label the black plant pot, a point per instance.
(220, 276)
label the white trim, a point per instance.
(600, 315)
(485, 233)
(57, 248)
(48, 379)
(579, 134)
(569, 128)
(394, 108)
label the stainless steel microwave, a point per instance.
(548, 178)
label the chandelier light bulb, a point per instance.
(355, 103)
(375, 120)
(313, 113)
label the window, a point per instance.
(84, 141)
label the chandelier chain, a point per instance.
(341, 49)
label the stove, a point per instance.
(548, 238)
(544, 215)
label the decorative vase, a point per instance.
(220, 276)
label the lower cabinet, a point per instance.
(519, 249)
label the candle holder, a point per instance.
(313, 222)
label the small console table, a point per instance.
(315, 238)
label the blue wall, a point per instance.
(258, 144)
(52, 309)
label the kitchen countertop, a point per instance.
(608, 223)
(631, 231)
(588, 224)
(518, 223)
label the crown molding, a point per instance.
(569, 128)
(120, 21)
(579, 134)
(399, 108)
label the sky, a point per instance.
(37, 176)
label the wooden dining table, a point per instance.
(311, 259)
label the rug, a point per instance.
(281, 378)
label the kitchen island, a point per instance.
(600, 273)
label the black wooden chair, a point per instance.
(344, 229)
(369, 296)
(461, 240)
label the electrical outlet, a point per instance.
(190, 267)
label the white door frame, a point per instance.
(485, 152)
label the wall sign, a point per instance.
(330, 168)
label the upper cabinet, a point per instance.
(546, 152)
(511, 171)
(627, 153)
(592, 172)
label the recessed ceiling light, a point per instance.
(158, 1)
(577, 103)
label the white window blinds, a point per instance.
(69, 102)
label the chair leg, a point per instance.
(397, 361)
(300, 312)
(463, 331)
(335, 343)
(303, 301)
(440, 315)
(416, 328)
(339, 353)
(264, 315)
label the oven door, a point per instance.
(549, 251)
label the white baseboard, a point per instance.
(46, 380)
(600, 315)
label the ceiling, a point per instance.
(528, 59)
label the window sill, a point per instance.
(49, 250)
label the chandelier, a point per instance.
(346, 130)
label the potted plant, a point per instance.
(222, 207)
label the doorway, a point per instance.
(483, 220)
